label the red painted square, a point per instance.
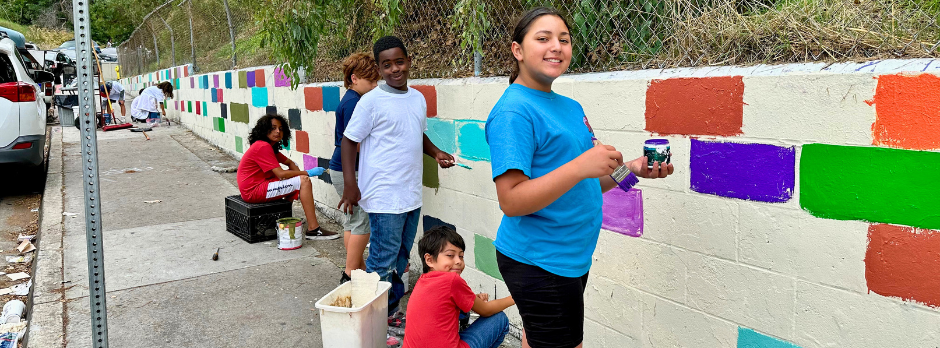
(218, 93)
(904, 262)
(908, 112)
(303, 141)
(430, 95)
(696, 106)
(259, 78)
(313, 98)
(198, 107)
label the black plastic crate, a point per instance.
(254, 222)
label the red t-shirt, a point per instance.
(255, 171)
(432, 311)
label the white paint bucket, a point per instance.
(290, 233)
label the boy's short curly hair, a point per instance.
(386, 43)
(435, 240)
(360, 64)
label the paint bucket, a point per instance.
(290, 233)
(657, 150)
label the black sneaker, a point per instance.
(319, 234)
(345, 278)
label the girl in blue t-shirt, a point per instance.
(550, 174)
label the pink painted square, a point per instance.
(280, 78)
(310, 162)
(623, 212)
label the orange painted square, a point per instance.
(313, 98)
(302, 142)
(908, 112)
(430, 95)
(904, 262)
(696, 106)
(259, 78)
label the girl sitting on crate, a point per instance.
(262, 179)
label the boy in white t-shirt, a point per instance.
(389, 124)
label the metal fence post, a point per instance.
(172, 40)
(94, 245)
(192, 40)
(155, 47)
(231, 31)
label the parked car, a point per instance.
(68, 48)
(31, 63)
(22, 109)
(61, 66)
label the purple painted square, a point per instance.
(215, 81)
(192, 82)
(280, 78)
(623, 212)
(251, 78)
(310, 162)
(756, 172)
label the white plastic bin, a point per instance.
(358, 327)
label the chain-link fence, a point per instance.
(442, 35)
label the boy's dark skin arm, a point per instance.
(487, 308)
(351, 192)
(445, 160)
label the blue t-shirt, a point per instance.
(537, 132)
(343, 113)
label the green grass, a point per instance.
(46, 38)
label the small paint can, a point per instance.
(657, 150)
(290, 234)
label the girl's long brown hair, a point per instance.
(522, 28)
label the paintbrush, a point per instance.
(215, 257)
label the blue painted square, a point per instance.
(205, 81)
(251, 78)
(330, 98)
(748, 338)
(259, 97)
(443, 134)
(271, 110)
(228, 80)
(471, 140)
(293, 117)
(215, 96)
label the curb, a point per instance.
(46, 305)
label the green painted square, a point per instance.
(238, 145)
(238, 112)
(242, 79)
(189, 106)
(484, 254)
(219, 124)
(430, 178)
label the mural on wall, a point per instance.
(908, 112)
(696, 106)
(757, 172)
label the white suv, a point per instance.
(22, 109)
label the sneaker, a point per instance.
(397, 320)
(319, 234)
(344, 278)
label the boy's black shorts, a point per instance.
(551, 306)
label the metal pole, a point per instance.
(140, 69)
(155, 48)
(192, 40)
(231, 31)
(94, 244)
(172, 40)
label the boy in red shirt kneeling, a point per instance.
(441, 293)
(261, 178)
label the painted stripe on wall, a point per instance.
(756, 172)
(871, 184)
(908, 109)
(623, 212)
(748, 338)
(696, 106)
(904, 262)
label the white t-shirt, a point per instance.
(117, 91)
(390, 128)
(150, 99)
(136, 111)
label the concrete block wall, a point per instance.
(804, 210)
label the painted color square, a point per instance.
(259, 78)
(238, 112)
(471, 140)
(192, 82)
(271, 110)
(218, 124)
(430, 96)
(219, 93)
(302, 142)
(756, 172)
(330, 98)
(228, 80)
(908, 112)
(280, 78)
(443, 134)
(325, 163)
(429, 175)
(215, 95)
(313, 98)
(205, 109)
(904, 262)
(242, 79)
(623, 212)
(696, 106)
(259, 97)
(748, 338)
(484, 253)
(215, 81)
(224, 110)
(198, 108)
(293, 118)
(251, 78)
(205, 81)
(310, 162)
(189, 106)
(871, 184)
(239, 145)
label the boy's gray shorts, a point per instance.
(358, 221)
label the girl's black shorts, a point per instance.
(551, 306)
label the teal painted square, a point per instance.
(330, 98)
(228, 80)
(259, 97)
(471, 140)
(443, 133)
(484, 254)
(205, 109)
(239, 145)
(748, 338)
